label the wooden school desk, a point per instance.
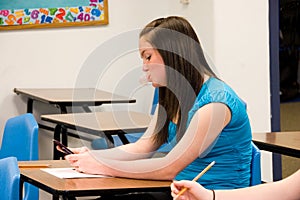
(67, 97)
(102, 124)
(76, 187)
(286, 143)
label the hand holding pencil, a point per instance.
(192, 186)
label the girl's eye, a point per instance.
(148, 58)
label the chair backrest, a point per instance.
(155, 101)
(20, 140)
(255, 166)
(9, 178)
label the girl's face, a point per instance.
(153, 64)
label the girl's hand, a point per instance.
(85, 162)
(194, 191)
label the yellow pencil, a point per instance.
(196, 178)
(33, 165)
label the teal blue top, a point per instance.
(231, 150)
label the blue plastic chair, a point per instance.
(20, 140)
(100, 143)
(9, 178)
(255, 166)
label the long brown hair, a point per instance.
(179, 46)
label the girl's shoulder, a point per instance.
(215, 86)
(216, 90)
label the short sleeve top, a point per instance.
(231, 150)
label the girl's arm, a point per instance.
(204, 128)
(286, 189)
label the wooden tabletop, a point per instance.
(73, 96)
(127, 121)
(287, 143)
(84, 186)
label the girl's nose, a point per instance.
(145, 67)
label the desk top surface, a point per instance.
(73, 95)
(283, 139)
(102, 121)
(50, 182)
(286, 143)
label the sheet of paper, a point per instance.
(69, 173)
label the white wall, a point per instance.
(242, 58)
(242, 54)
(234, 34)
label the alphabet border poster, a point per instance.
(23, 14)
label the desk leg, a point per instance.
(63, 109)
(86, 108)
(56, 153)
(60, 134)
(108, 138)
(64, 136)
(123, 138)
(21, 189)
(63, 130)
(29, 105)
(277, 168)
(69, 198)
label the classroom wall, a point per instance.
(234, 34)
(55, 57)
(242, 50)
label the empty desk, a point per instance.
(286, 143)
(68, 97)
(102, 124)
